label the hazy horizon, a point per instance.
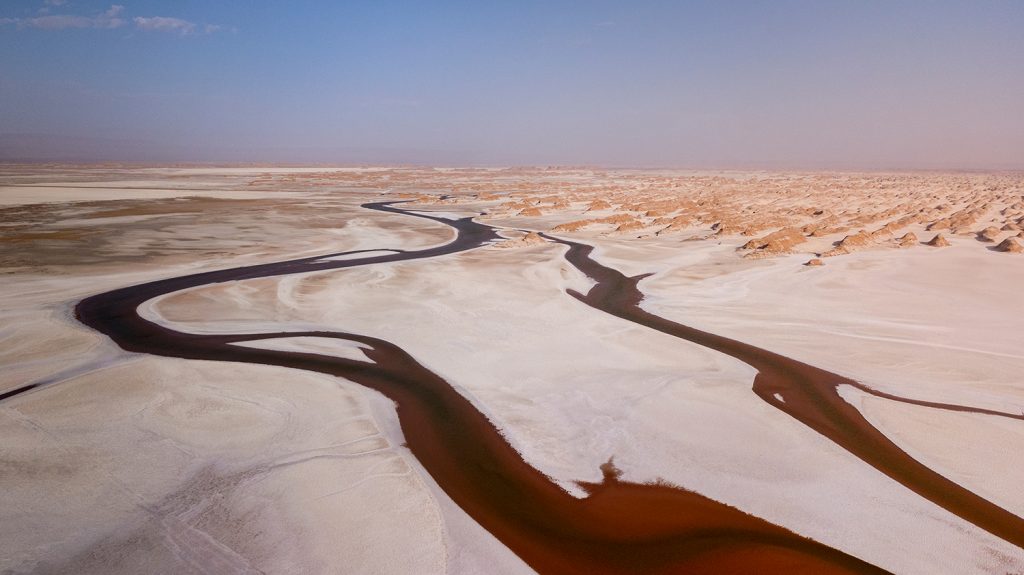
(785, 85)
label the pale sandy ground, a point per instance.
(903, 322)
(131, 464)
(134, 464)
(19, 195)
(663, 408)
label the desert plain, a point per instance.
(899, 293)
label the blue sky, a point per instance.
(781, 84)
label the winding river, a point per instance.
(619, 527)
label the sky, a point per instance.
(856, 84)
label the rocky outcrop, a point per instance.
(616, 219)
(676, 224)
(786, 237)
(776, 243)
(630, 226)
(530, 239)
(1010, 245)
(885, 232)
(850, 244)
(989, 234)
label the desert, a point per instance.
(502, 288)
(468, 370)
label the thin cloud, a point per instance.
(109, 19)
(164, 24)
(173, 25)
(57, 22)
(49, 4)
(105, 20)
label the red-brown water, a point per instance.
(810, 395)
(619, 527)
